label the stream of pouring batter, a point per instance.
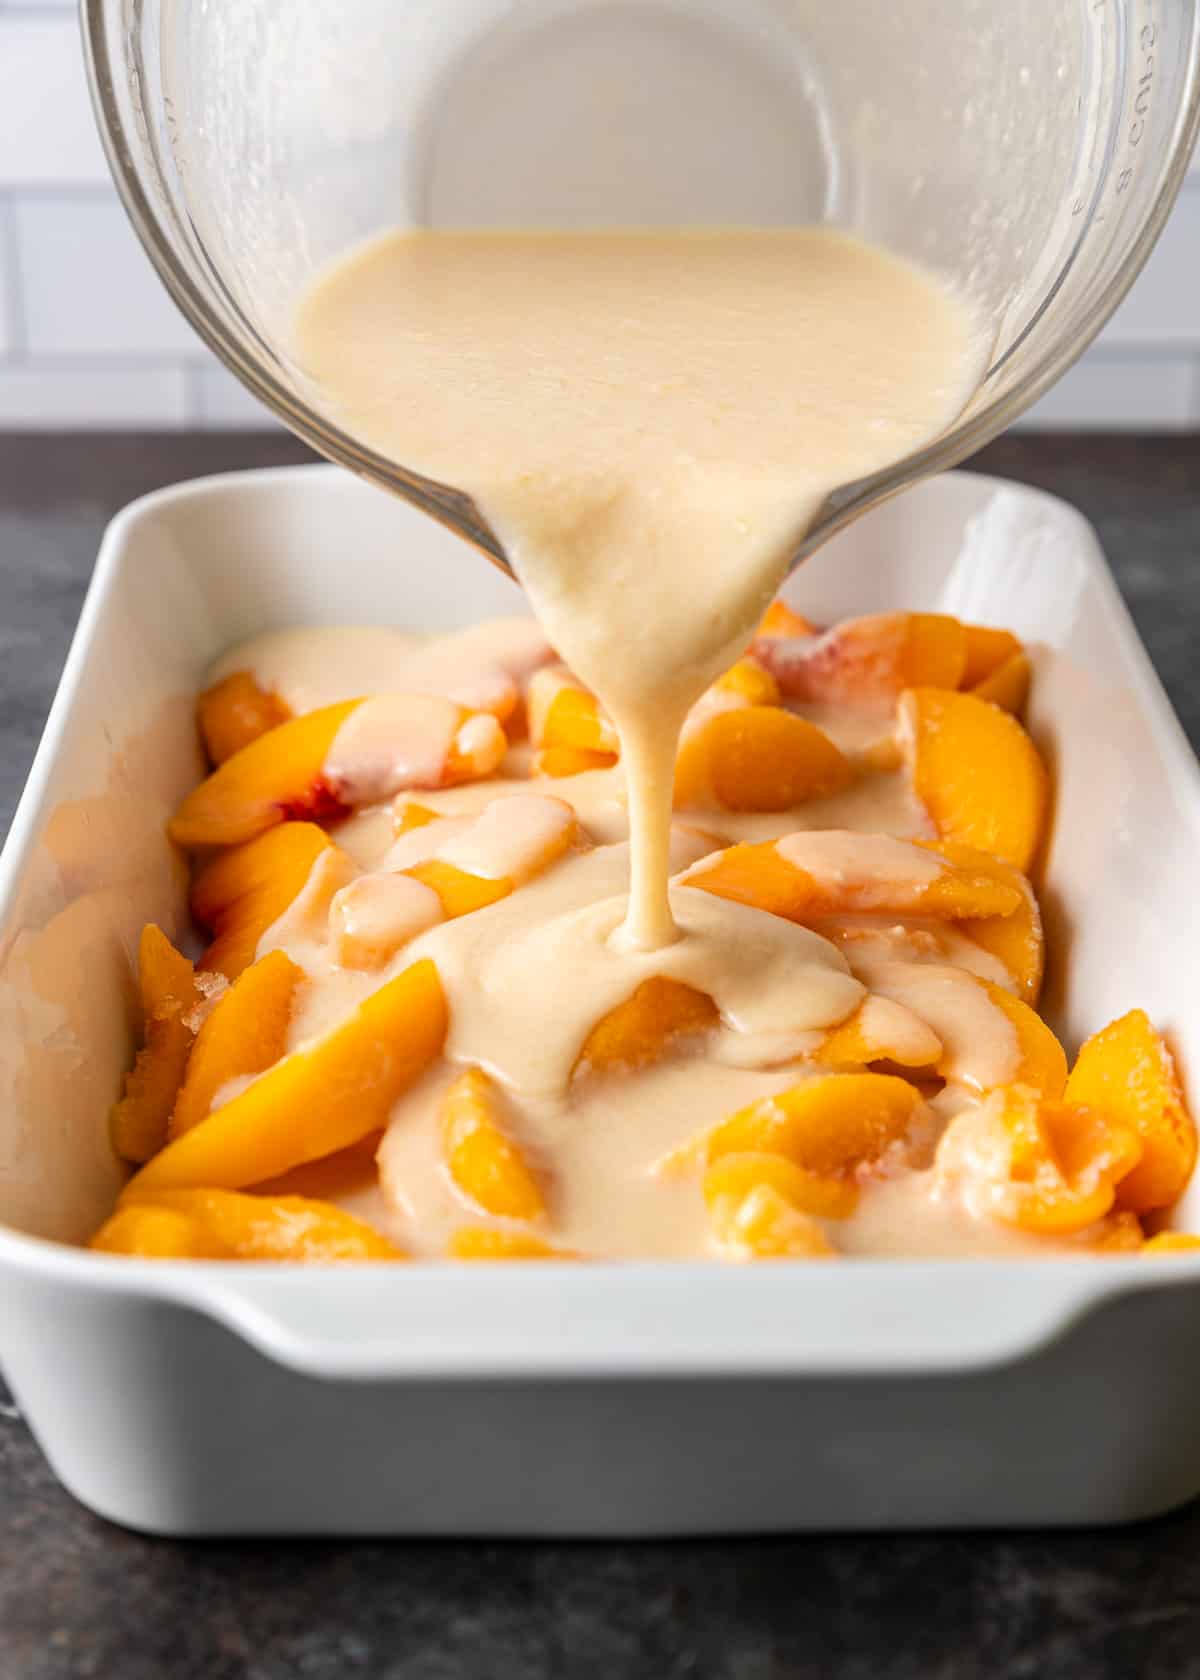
(649, 420)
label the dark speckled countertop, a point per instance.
(80, 1598)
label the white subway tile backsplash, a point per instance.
(43, 397)
(1163, 307)
(47, 135)
(88, 286)
(220, 402)
(1109, 392)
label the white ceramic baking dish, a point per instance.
(596, 1400)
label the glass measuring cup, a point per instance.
(1029, 151)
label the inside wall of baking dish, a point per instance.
(189, 572)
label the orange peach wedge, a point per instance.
(822, 1195)
(1016, 938)
(1127, 1072)
(829, 1125)
(244, 890)
(513, 839)
(880, 1030)
(169, 995)
(277, 776)
(868, 662)
(239, 1227)
(754, 1216)
(987, 651)
(569, 761)
(245, 1034)
(234, 712)
(484, 1163)
(563, 713)
(804, 877)
(1065, 1162)
(638, 1031)
(782, 620)
(976, 772)
(315, 1101)
(756, 758)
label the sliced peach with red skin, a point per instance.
(236, 711)
(315, 1101)
(977, 773)
(987, 651)
(245, 1034)
(638, 1031)
(1127, 1072)
(158, 1233)
(244, 890)
(1008, 685)
(169, 995)
(831, 1125)
(757, 758)
(485, 1164)
(290, 1228)
(492, 1242)
(569, 761)
(278, 776)
(868, 662)
(782, 620)
(770, 875)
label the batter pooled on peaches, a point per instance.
(414, 1028)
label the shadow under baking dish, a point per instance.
(634, 1399)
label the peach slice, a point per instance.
(830, 1125)
(315, 1101)
(569, 761)
(764, 1225)
(279, 775)
(484, 1163)
(295, 1228)
(807, 876)
(976, 771)
(488, 1242)
(245, 1033)
(169, 995)
(782, 620)
(987, 651)
(159, 1233)
(1043, 1061)
(1117, 1233)
(234, 712)
(408, 815)
(244, 890)
(1008, 685)
(880, 1030)
(868, 662)
(1017, 938)
(757, 758)
(638, 1031)
(562, 713)
(735, 1176)
(512, 839)
(748, 681)
(1126, 1072)
(372, 917)
(1172, 1242)
(1065, 1161)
